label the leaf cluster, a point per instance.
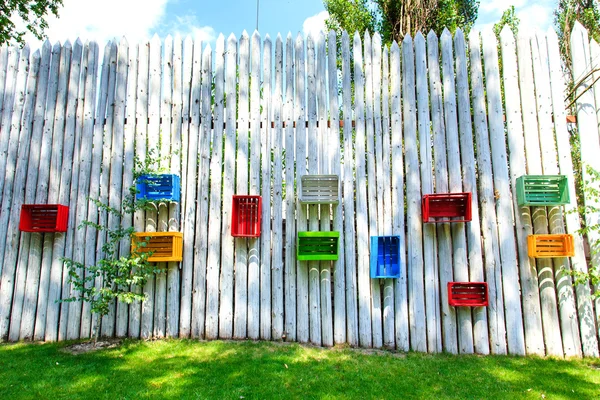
(33, 13)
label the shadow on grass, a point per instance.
(234, 370)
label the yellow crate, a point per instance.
(550, 246)
(165, 246)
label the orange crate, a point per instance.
(165, 246)
(549, 246)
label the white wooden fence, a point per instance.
(252, 117)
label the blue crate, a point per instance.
(159, 187)
(385, 256)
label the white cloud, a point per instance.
(531, 16)
(106, 20)
(315, 24)
(188, 25)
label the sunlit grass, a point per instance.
(250, 370)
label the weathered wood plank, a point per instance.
(201, 245)
(459, 242)
(20, 173)
(325, 209)
(444, 236)
(35, 154)
(389, 337)
(506, 234)
(105, 325)
(166, 101)
(60, 180)
(289, 193)
(400, 288)
(313, 147)
(89, 321)
(276, 323)
(8, 243)
(141, 129)
(149, 322)
(241, 245)
(351, 318)
(339, 276)
(569, 328)
(123, 311)
(74, 122)
(226, 278)
(362, 239)
(13, 59)
(173, 274)
(214, 216)
(302, 334)
(192, 63)
(79, 189)
(116, 163)
(489, 229)
(585, 309)
(416, 310)
(373, 206)
(430, 259)
(549, 314)
(473, 230)
(534, 343)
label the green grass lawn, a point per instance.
(256, 370)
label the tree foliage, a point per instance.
(565, 15)
(33, 13)
(395, 18)
(508, 18)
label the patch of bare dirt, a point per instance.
(86, 347)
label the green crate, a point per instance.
(317, 246)
(542, 190)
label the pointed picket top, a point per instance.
(256, 35)
(155, 38)
(244, 35)
(66, 46)
(418, 36)
(278, 39)
(394, 47)
(124, 42)
(432, 37)
(551, 34)
(231, 39)
(207, 49)
(188, 41)
(289, 36)
(376, 38)
(177, 37)
(321, 38)
(458, 32)
(36, 55)
(474, 35)
(446, 37)
(268, 39)
(299, 39)
(506, 34)
(367, 36)
(46, 46)
(408, 39)
(356, 36)
(78, 42)
(168, 39)
(446, 33)
(577, 27)
(332, 36)
(345, 35)
(220, 43)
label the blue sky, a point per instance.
(141, 19)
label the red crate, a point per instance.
(44, 218)
(246, 216)
(468, 294)
(446, 207)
